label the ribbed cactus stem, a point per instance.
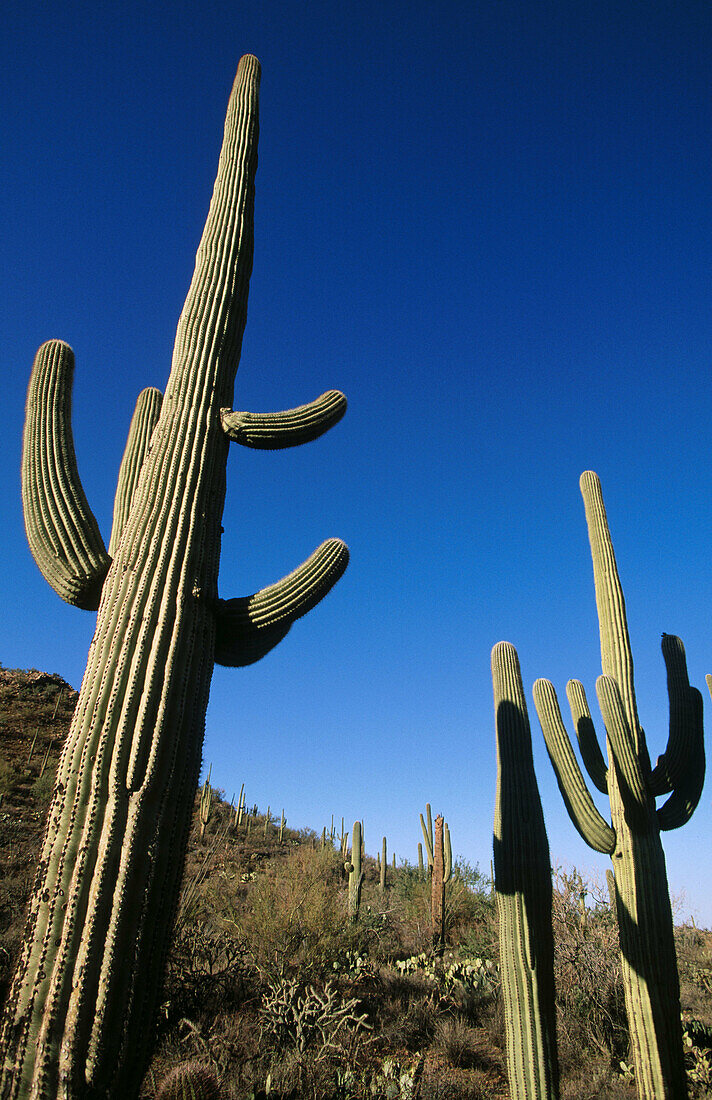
(144, 420)
(648, 960)
(437, 887)
(648, 963)
(61, 529)
(383, 867)
(273, 431)
(421, 865)
(355, 872)
(428, 835)
(523, 889)
(79, 1017)
(206, 799)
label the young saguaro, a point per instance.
(78, 1022)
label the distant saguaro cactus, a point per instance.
(648, 962)
(353, 868)
(79, 1016)
(206, 802)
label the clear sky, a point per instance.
(490, 225)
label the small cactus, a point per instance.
(189, 1081)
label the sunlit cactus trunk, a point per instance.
(79, 1021)
(632, 839)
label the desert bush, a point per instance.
(457, 1042)
(294, 920)
(42, 789)
(589, 987)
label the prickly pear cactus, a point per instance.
(78, 1022)
(632, 838)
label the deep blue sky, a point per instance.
(490, 225)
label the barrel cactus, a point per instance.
(632, 837)
(79, 1017)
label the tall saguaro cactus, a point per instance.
(522, 880)
(632, 839)
(79, 1017)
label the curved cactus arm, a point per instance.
(427, 839)
(275, 431)
(522, 873)
(586, 733)
(597, 833)
(61, 529)
(683, 735)
(248, 627)
(143, 421)
(447, 852)
(708, 681)
(635, 794)
(682, 803)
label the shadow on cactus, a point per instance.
(80, 1013)
(632, 838)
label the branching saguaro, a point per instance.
(80, 1015)
(632, 838)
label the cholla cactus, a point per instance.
(79, 1016)
(632, 838)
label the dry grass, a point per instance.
(256, 913)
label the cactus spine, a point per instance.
(522, 875)
(632, 839)
(80, 1010)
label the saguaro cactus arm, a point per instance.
(586, 733)
(683, 801)
(685, 722)
(428, 835)
(275, 431)
(523, 887)
(637, 799)
(143, 421)
(79, 1016)
(248, 627)
(62, 532)
(597, 833)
